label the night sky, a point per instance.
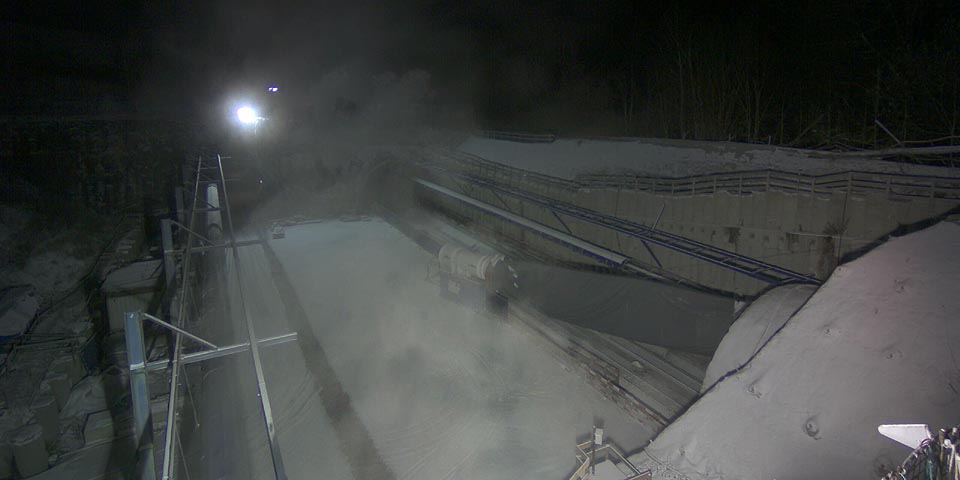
(751, 71)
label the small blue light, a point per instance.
(273, 89)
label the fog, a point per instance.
(391, 380)
(107, 107)
(388, 379)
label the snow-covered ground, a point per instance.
(672, 158)
(877, 343)
(51, 254)
(55, 254)
(440, 391)
(753, 327)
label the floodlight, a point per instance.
(247, 115)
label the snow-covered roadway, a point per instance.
(391, 380)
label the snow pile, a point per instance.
(755, 325)
(53, 254)
(87, 397)
(672, 158)
(876, 344)
(55, 271)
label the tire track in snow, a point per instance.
(356, 444)
(451, 430)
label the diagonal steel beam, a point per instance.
(218, 352)
(742, 264)
(178, 330)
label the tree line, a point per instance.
(842, 75)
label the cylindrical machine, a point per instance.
(214, 227)
(462, 262)
(484, 281)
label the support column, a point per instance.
(140, 397)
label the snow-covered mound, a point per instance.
(755, 325)
(52, 252)
(878, 343)
(672, 158)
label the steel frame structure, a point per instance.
(742, 264)
(136, 353)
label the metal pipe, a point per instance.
(140, 403)
(590, 248)
(178, 330)
(242, 243)
(167, 468)
(190, 230)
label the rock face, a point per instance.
(871, 346)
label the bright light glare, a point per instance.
(273, 89)
(247, 115)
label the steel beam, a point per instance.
(166, 240)
(191, 358)
(242, 243)
(593, 250)
(178, 318)
(140, 397)
(178, 330)
(169, 263)
(195, 234)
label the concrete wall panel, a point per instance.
(800, 231)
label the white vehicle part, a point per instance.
(466, 263)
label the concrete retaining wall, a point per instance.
(805, 232)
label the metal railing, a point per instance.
(595, 452)
(521, 137)
(756, 181)
(895, 185)
(935, 459)
(468, 163)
